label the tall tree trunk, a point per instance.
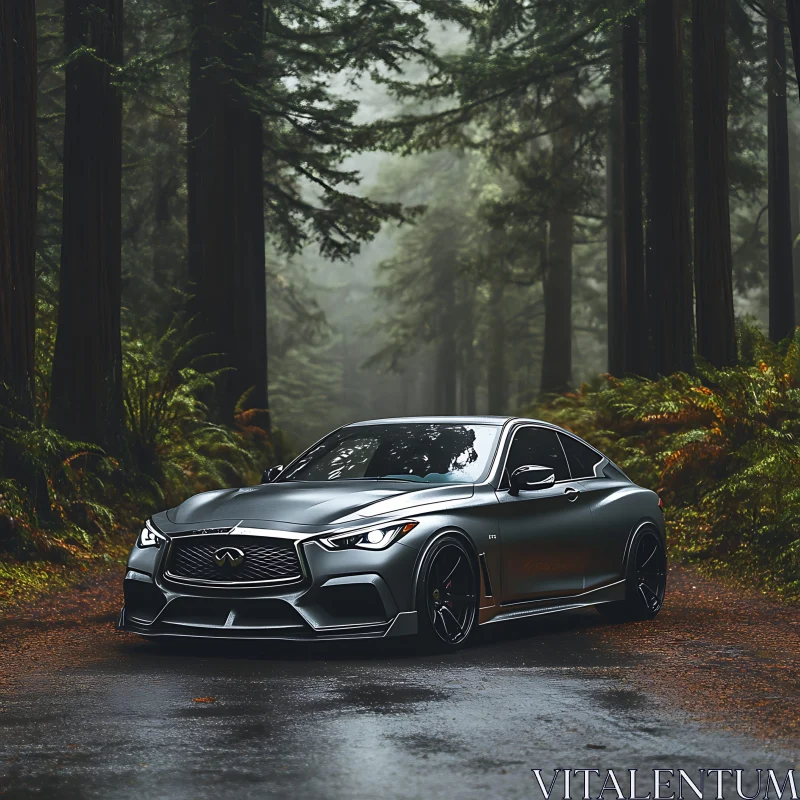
(226, 200)
(793, 15)
(557, 264)
(248, 235)
(446, 350)
(557, 286)
(615, 238)
(668, 263)
(794, 179)
(637, 326)
(713, 261)
(87, 362)
(18, 184)
(467, 354)
(496, 379)
(781, 281)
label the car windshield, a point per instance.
(417, 451)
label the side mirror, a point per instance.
(531, 477)
(270, 474)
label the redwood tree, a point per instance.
(87, 362)
(17, 199)
(636, 316)
(793, 16)
(557, 261)
(615, 239)
(713, 263)
(557, 294)
(226, 200)
(668, 262)
(496, 376)
(781, 279)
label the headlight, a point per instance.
(369, 538)
(150, 537)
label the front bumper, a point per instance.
(354, 594)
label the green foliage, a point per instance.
(172, 442)
(722, 449)
(49, 487)
(56, 495)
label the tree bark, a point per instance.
(226, 201)
(781, 279)
(636, 318)
(87, 362)
(467, 365)
(446, 350)
(557, 286)
(793, 16)
(668, 261)
(615, 245)
(18, 187)
(496, 379)
(557, 261)
(713, 261)
(794, 177)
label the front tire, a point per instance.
(645, 580)
(447, 595)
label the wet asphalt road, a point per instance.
(120, 718)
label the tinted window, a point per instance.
(610, 471)
(537, 446)
(430, 452)
(582, 459)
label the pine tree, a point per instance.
(793, 18)
(669, 278)
(781, 278)
(87, 363)
(713, 280)
(226, 199)
(616, 295)
(18, 185)
(636, 317)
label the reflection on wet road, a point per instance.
(125, 719)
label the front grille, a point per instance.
(273, 560)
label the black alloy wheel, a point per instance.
(651, 573)
(447, 594)
(645, 578)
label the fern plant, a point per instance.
(722, 448)
(175, 447)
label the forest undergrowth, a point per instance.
(67, 507)
(722, 449)
(720, 446)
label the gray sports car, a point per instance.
(419, 525)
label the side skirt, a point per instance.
(610, 593)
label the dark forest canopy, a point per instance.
(228, 227)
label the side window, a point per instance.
(538, 446)
(610, 471)
(582, 459)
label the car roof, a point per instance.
(465, 420)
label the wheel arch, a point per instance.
(645, 522)
(450, 530)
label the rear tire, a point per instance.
(447, 595)
(645, 580)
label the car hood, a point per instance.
(314, 503)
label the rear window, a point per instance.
(582, 459)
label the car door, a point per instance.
(542, 532)
(605, 545)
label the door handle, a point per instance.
(572, 494)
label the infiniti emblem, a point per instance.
(231, 557)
